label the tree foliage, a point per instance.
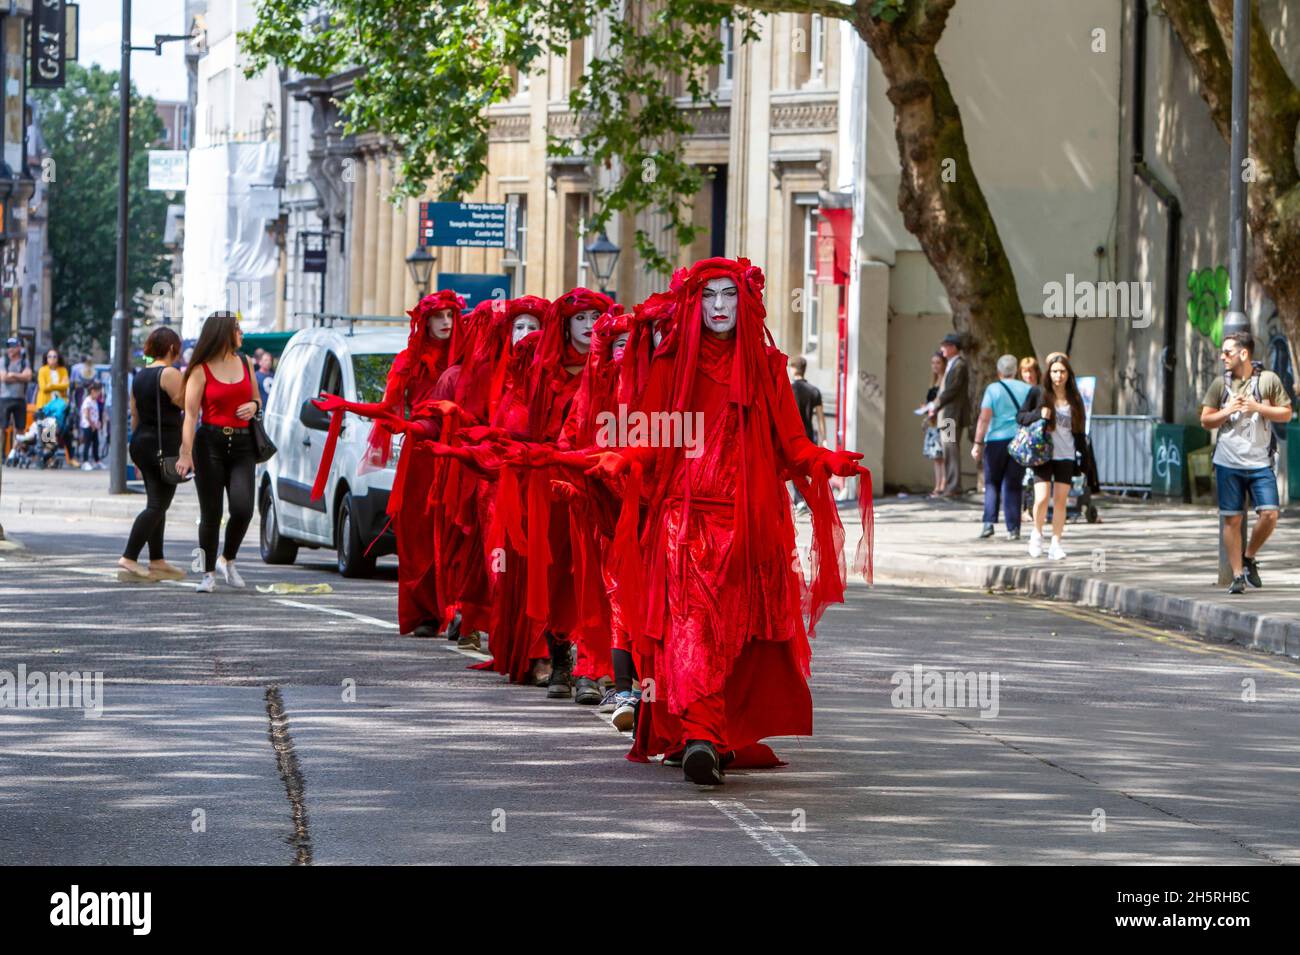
(80, 126)
(431, 70)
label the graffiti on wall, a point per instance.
(1207, 301)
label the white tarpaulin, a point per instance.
(230, 260)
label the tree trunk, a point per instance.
(950, 219)
(1273, 205)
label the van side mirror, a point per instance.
(312, 417)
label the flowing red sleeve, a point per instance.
(806, 461)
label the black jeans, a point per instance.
(152, 521)
(224, 465)
(90, 448)
(13, 411)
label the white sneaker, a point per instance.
(227, 568)
(1056, 552)
(206, 585)
(1035, 544)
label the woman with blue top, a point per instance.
(1003, 477)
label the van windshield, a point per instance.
(371, 373)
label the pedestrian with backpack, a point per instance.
(1245, 405)
(1004, 478)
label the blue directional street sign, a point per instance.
(461, 224)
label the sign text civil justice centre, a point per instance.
(459, 224)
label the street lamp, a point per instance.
(420, 264)
(603, 254)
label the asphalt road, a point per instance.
(242, 727)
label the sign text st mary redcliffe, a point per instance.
(459, 224)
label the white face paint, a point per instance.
(718, 304)
(580, 329)
(440, 323)
(525, 324)
(620, 345)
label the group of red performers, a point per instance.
(663, 554)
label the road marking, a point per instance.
(373, 621)
(752, 824)
(1181, 641)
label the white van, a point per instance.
(339, 361)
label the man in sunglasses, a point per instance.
(1245, 405)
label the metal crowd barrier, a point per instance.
(1121, 446)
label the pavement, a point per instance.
(256, 728)
(71, 492)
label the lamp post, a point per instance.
(603, 254)
(1237, 319)
(120, 351)
(420, 264)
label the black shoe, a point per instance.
(1251, 567)
(560, 686)
(1238, 585)
(701, 764)
(987, 532)
(425, 631)
(587, 692)
(453, 628)
(1013, 535)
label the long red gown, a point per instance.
(723, 636)
(411, 382)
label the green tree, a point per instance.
(80, 126)
(430, 70)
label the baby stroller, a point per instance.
(41, 445)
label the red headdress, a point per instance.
(422, 350)
(484, 376)
(546, 378)
(598, 391)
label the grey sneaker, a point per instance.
(986, 532)
(608, 702)
(1013, 535)
(1238, 585)
(1251, 566)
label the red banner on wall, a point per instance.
(834, 238)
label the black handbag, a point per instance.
(166, 462)
(263, 447)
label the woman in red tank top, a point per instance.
(219, 448)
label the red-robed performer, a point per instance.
(537, 564)
(592, 510)
(469, 393)
(411, 383)
(723, 634)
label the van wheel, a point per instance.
(352, 558)
(275, 549)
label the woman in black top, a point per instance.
(148, 433)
